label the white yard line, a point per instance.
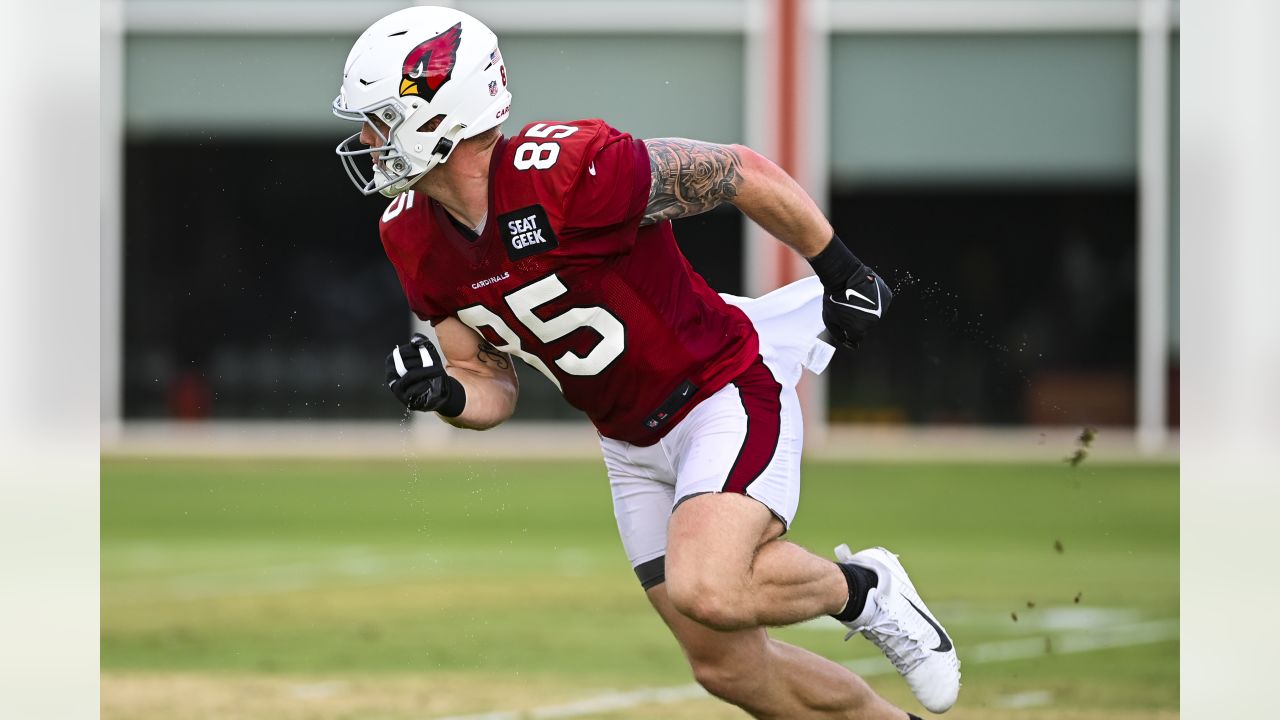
(1024, 700)
(1102, 638)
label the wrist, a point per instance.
(835, 264)
(455, 398)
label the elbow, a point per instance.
(476, 422)
(755, 172)
(500, 415)
(495, 410)
(490, 398)
(511, 393)
(750, 162)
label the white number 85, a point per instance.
(541, 156)
(613, 336)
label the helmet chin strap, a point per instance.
(448, 143)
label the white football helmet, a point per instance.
(407, 68)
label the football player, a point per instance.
(554, 245)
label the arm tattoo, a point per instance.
(689, 177)
(488, 353)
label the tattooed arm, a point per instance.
(691, 177)
(484, 371)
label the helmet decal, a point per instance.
(429, 66)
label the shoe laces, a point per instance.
(886, 631)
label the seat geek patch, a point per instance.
(526, 232)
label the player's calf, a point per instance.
(775, 680)
(728, 681)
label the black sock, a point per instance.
(860, 580)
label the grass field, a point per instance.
(274, 590)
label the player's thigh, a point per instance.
(711, 541)
(738, 480)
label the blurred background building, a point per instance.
(1010, 166)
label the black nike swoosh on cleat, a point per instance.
(944, 643)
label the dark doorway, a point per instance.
(1012, 305)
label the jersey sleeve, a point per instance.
(614, 190)
(599, 179)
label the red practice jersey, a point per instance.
(564, 277)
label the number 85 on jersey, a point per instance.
(522, 302)
(541, 155)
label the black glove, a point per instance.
(416, 376)
(855, 296)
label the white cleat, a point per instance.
(897, 621)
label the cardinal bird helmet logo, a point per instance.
(429, 66)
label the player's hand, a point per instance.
(850, 310)
(416, 375)
(855, 297)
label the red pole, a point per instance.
(787, 28)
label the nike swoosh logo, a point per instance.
(592, 168)
(944, 642)
(875, 308)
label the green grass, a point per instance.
(513, 573)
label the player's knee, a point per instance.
(710, 604)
